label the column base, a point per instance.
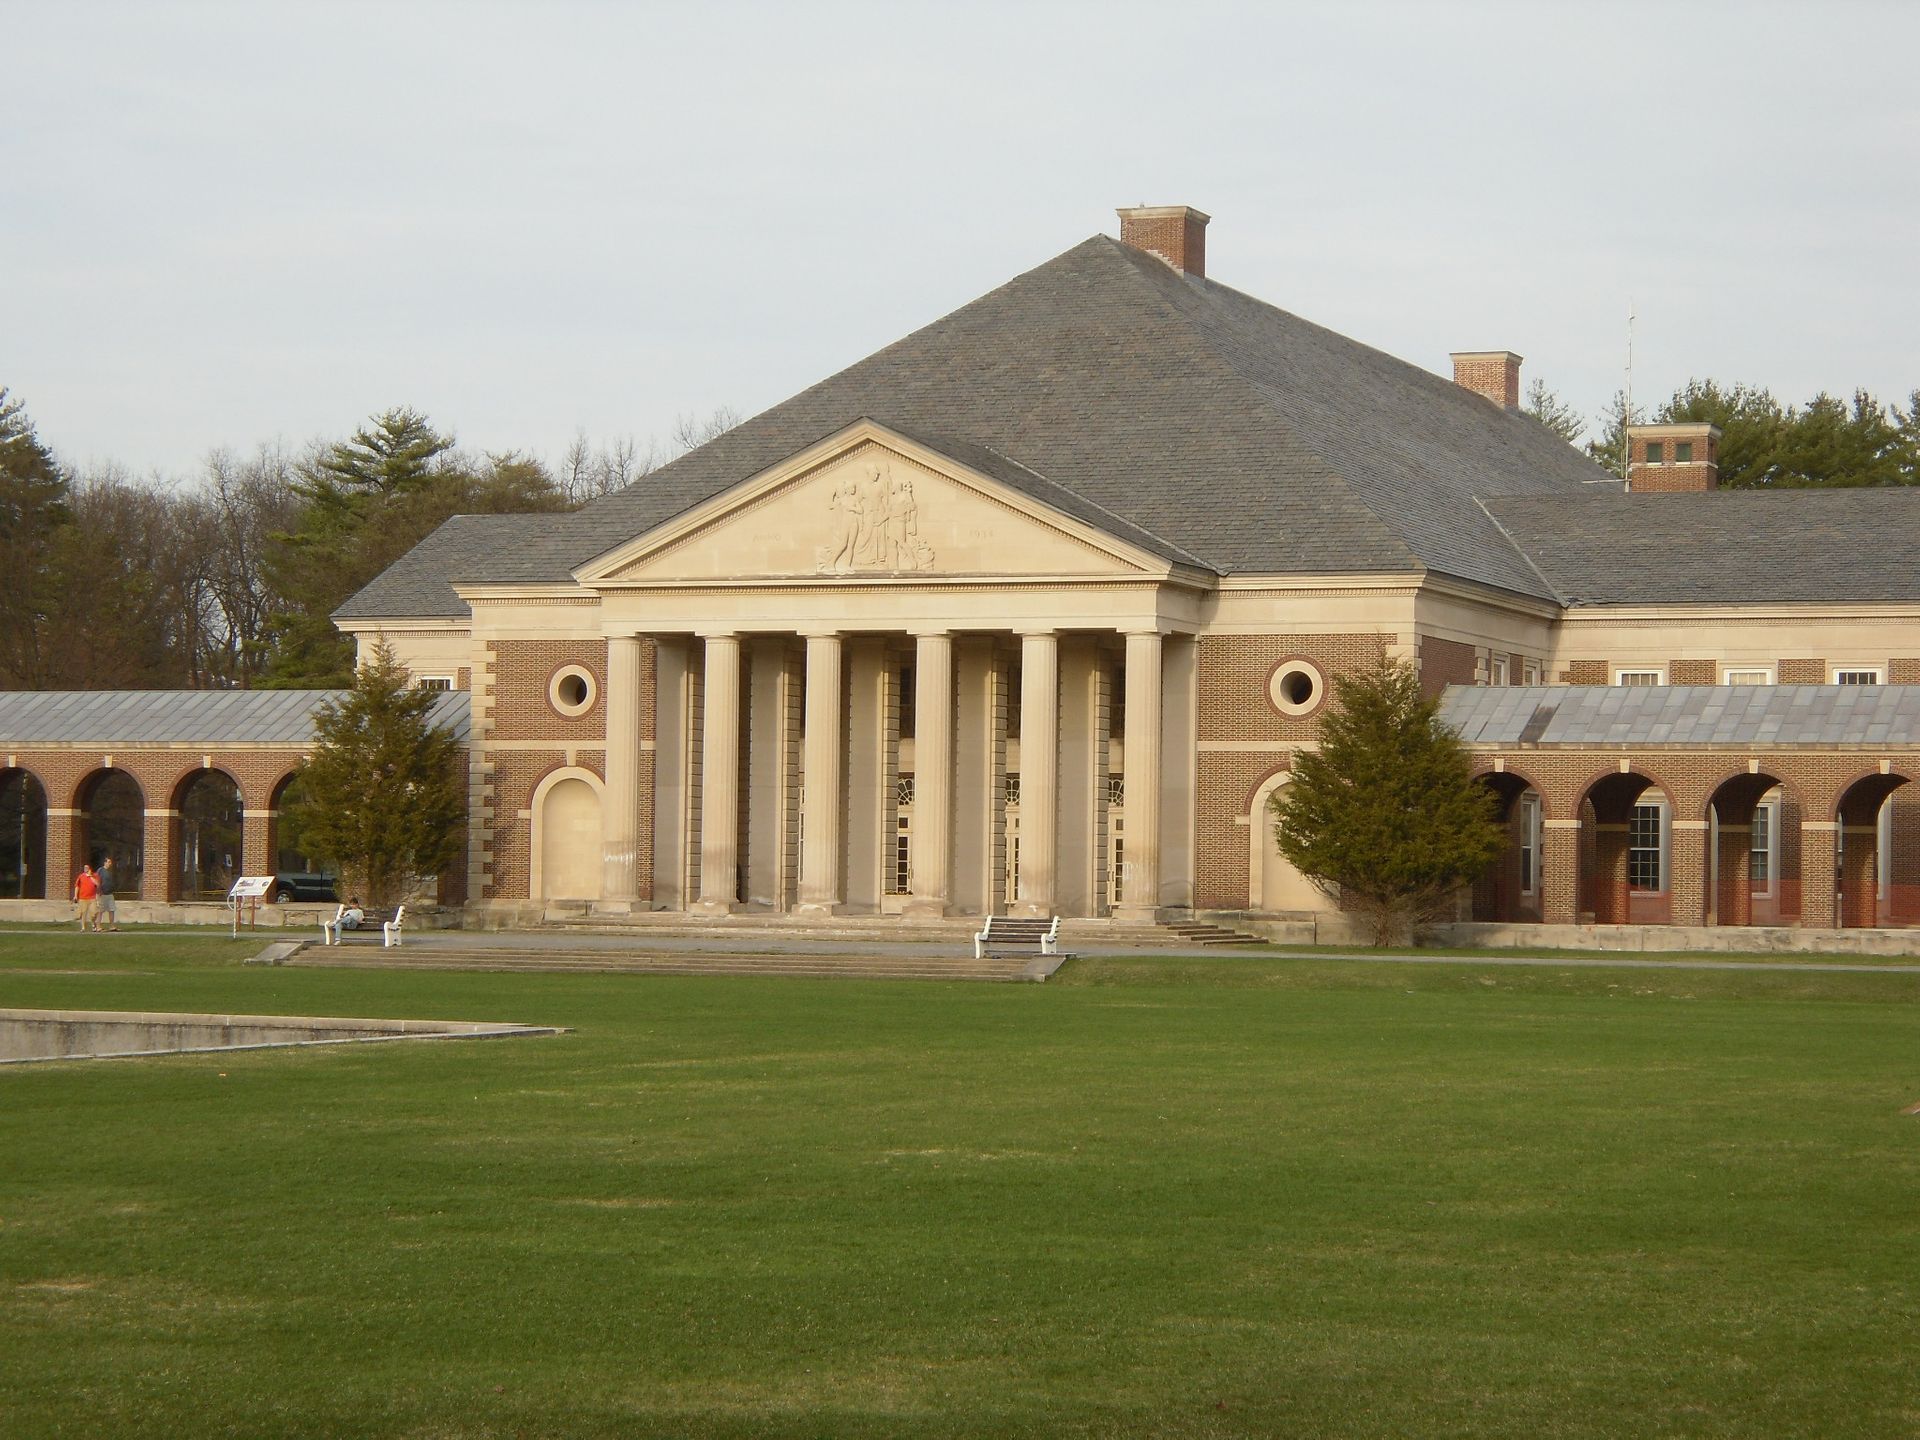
(927, 909)
(1138, 914)
(819, 910)
(711, 907)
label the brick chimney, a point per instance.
(1176, 233)
(1666, 458)
(1492, 373)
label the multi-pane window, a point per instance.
(1497, 670)
(1760, 851)
(907, 695)
(1639, 677)
(1859, 675)
(1753, 676)
(434, 682)
(1116, 790)
(1013, 787)
(903, 834)
(1656, 452)
(1683, 452)
(1529, 672)
(1529, 843)
(1643, 849)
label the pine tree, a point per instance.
(1553, 412)
(383, 795)
(35, 516)
(1386, 815)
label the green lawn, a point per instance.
(1222, 1196)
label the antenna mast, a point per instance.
(1626, 415)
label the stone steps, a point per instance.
(504, 959)
(1197, 933)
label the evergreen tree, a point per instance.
(383, 795)
(1553, 412)
(34, 514)
(1609, 447)
(1386, 815)
(1751, 424)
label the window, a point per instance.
(572, 690)
(1683, 452)
(1116, 790)
(903, 835)
(1754, 675)
(1760, 851)
(1529, 672)
(1296, 687)
(1529, 843)
(1645, 853)
(1639, 677)
(1857, 675)
(1656, 452)
(1497, 670)
(433, 682)
(1013, 787)
(908, 693)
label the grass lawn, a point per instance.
(1211, 1197)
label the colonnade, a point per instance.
(778, 761)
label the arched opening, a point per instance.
(206, 837)
(1872, 873)
(113, 822)
(1274, 886)
(567, 847)
(1509, 890)
(23, 836)
(1626, 851)
(304, 873)
(1754, 852)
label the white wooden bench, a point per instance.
(1005, 935)
(390, 930)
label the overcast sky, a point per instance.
(225, 224)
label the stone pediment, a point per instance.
(870, 504)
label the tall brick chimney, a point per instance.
(1684, 455)
(1492, 373)
(1176, 233)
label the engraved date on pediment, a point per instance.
(875, 525)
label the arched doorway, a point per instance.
(113, 821)
(1626, 851)
(1869, 891)
(1510, 889)
(1755, 852)
(1273, 884)
(23, 836)
(567, 850)
(206, 837)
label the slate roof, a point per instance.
(1640, 716)
(209, 718)
(1229, 431)
(1723, 547)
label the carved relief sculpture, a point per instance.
(875, 522)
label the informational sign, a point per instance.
(249, 890)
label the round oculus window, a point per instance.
(572, 690)
(1296, 687)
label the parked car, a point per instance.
(291, 887)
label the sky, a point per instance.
(223, 225)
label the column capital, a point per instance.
(718, 632)
(820, 632)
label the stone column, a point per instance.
(1140, 746)
(720, 778)
(1559, 872)
(820, 805)
(932, 774)
(620, 801)
(1039, 772)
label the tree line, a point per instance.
(225, 578)
(1764, 443)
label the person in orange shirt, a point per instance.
(86, 894)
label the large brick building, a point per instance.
(1032, 609)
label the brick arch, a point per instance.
(202, 860)
(185, 780)
(1251, 796)
(1585, 788)
(1839, 793)
(23, 840)
(125, 837)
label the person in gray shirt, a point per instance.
(104, 878)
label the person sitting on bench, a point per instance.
(353, 915)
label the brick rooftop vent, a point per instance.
(1176, 233)
(1492, 373)
(1684, 455)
